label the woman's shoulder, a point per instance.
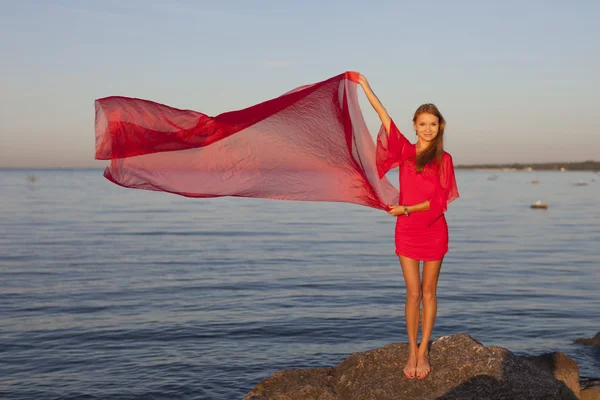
(437, 166)
(446, 157)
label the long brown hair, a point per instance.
(436, 150)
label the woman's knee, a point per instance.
(428, 295)
(413, 297)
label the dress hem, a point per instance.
(421, 258)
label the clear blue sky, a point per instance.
(517, 81)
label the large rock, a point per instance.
(461, 368)
(595, 341)
(590, 389)
(562, 367)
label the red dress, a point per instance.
(422, 235)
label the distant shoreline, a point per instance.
(550, 166)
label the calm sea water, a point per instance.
(113, 293)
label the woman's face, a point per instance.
(427, 127)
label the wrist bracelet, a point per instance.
(406, 210)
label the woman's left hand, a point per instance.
(395, 211)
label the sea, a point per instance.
(114, 293)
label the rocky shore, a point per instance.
(462, 368)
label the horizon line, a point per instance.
(532, 164)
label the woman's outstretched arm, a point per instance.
(379, 109)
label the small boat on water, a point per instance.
(535, 181)
(492, 177)
(539, 205)
(580, 183)
(32, 178)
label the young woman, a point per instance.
(427, 185)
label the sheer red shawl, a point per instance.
(309, 144)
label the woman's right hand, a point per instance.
(362, 80)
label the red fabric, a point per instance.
(421, 235)
(390, 149)
(309, 144)
(445, 190)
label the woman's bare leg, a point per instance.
(410, 270)
(431, 273)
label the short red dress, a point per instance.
(422, 235)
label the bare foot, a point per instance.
(423, 366)
(410, 369)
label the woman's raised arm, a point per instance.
(379, 109)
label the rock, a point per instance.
(297, 384)
(595, 341)
(562, 367)
(461, 368)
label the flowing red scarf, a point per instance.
(310, 144)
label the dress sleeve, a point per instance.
(445, 190)
(389, 149)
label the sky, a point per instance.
(516, 81)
